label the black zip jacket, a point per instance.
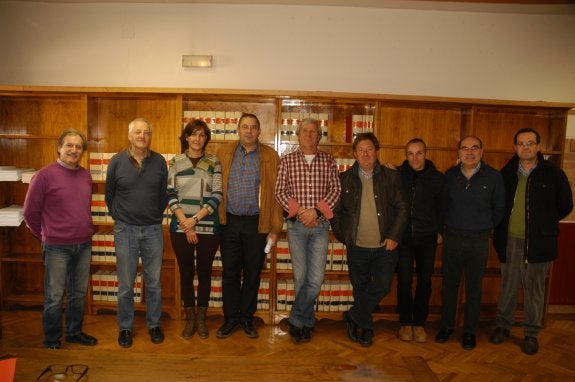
(548, 199)
(390, 201)
(424, 191)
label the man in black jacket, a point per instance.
(369, 219)
(537, 195)
(423, 186)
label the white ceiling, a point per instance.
(495, 6)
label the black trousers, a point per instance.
(416, 255)
(204, 253)
(243, 258)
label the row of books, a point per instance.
(336, 256)
(101, 214)
(105, 286)
(103, 247)
(344, 164)
(216, 293)
(99, 209)
(291, 120)
(14, 174)
(223, 124)
(334, 296)
(98, 164)
(356, 124)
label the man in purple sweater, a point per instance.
(57, 211)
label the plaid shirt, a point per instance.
(244, 183)
(307, 184)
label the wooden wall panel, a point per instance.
(438, 127)
(497, 126)
(562, 285)
(28, 153)
(109, 119)
(40, 116)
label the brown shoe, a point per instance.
(190, 327)
(201, 320)
(406, 333)
(419, 334)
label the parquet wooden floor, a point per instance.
(330, 356)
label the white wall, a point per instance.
(408, 52)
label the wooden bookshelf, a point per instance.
(31, 118)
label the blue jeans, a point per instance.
(308, 251)
(133, 242)
(532, 277)
(371, 272)
(67, 267)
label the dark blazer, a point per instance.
(425, 194)
(548, 199)
(390, 201)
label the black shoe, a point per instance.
(366, 337)
(227, 329)
(156, 335)
(82, 339)
(468, 342)
(530, 345)
(306, 334)
(53, 346)
(444, 335)
(125, 338)
(350, 327)
(250, 329)
(295, 333)
(499, 336)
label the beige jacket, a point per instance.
(271, 218)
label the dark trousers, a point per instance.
(463, 252)
(203, 253)
(243, 258)
(416, 255)
(371, 272)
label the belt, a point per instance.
(466, 232)
(242, 217)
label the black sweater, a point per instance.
(424, 191)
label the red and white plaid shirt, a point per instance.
(307, 183)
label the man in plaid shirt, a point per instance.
(308, 188)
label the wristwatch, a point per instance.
(196, 219)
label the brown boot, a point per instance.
(190, 327)
(202, 328)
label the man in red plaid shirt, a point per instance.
(308, 188)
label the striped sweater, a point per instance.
(192, 188)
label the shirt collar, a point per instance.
(475, 170)
(61, 163)
(131, 152)
(522, 170)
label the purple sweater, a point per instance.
(57, 205)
